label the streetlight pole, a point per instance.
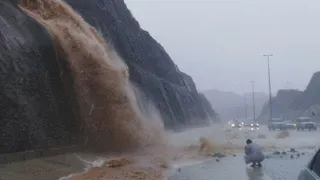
(270, 95)
(253, 102)
(245, 107)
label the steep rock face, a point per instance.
(34, 110)
(150, 67)
(290, 104)
(280, 104)
(309, 97)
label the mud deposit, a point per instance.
(202, 147)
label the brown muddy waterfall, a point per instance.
(109, 114)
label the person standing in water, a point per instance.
(253, 154)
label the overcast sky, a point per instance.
(220, 43)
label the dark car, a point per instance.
(305, 123)
(311, 126)
(276, 125)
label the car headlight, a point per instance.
(251, 129)
(251, 124)
(257, 124)
(233, 125)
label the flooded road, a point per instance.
(283, 165)
(274, 168)
(184, 158)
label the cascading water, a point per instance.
(112, 114)
(110, 117)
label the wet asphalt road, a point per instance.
(276, 167)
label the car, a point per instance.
(236, 125)
(305, 123)
(276, 125)
(312, 170)
(311, 126)
(289, 125)
(252, 125)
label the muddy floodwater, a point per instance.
(182, 159)
(274, 168)
(285, 158)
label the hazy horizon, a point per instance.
(221, 43)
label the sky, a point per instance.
(220, 43)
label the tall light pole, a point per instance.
(245, 107)
(253, 102)
(270, 95)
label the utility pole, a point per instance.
(245, 107)
(253, 102)
(270, 95)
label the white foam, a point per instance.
(99, 162)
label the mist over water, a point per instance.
(114, 116)
(221, 139)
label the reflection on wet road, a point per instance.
(284, 165)
(255, 173)
(274, 168)
(285, 168)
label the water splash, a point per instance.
(107, 103)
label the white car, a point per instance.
(312, 170)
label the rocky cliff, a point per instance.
(281, 104)
(34, 110)
(151, 68)
(37, 109)
(290, 104)
(310, 95)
